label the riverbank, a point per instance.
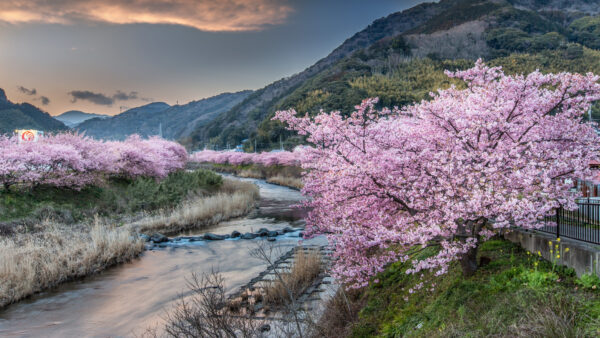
(127, 299)
(58, 239)
(288, 176)
(514, 293)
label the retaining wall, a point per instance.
(582, 257)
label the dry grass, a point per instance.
(251, 173)
(54, 253)
(340, 312)
(234, 199)
(304, 270)
(32, 262)
(288, 181)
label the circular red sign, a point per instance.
(28, 136)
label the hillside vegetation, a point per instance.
(514, 294)
(401, 58)
(25, 116)
(173, 122)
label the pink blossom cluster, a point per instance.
(450, 172)
(284, 158)
(74, 161)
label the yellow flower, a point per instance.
(567, 250)
(558, 239)
(550, 243)
(557, 256)
(535, 264)
(539, 254)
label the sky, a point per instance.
(105, 56)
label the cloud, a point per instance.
(206, 15)
(27, 91)
(102, 99)
(96, 98)
(122, 96)
(45, 100)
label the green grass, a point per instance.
(516, 294)
(116, 196)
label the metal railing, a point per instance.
(582, 224)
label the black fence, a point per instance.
(582, 224)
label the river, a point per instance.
(126, 300)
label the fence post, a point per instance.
(558, 212)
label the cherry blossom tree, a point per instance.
(74, 161)
(283, 158)
(451, 172)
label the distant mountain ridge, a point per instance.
(72, 118)
(25, 116)
(173, 122)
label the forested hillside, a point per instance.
(25, 116)
(401, 58)
(173, 122)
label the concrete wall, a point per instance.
(583, 257)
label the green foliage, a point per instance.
(118, 196)
(408, 82)
(510, 39)
(551, 61)
(528, 21)
(586, 31)
(589, 281)
(515, 293)
(516, 40)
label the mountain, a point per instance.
(25, 116)
(401, 58)
(72, 118)
(176, 122)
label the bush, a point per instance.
(589, 281)
(510, 39)
(586, 31)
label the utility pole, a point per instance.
(280, 143)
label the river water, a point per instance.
(126, 300)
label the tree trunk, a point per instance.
(469, 262)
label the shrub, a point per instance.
(589, 281)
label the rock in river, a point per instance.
(235, 234)
(262, 232)
(213, 237)
(249, 235)
(159, 238)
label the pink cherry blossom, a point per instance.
(74, 161)
(283, 158)
(451, 171)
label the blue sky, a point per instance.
(101, 55)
